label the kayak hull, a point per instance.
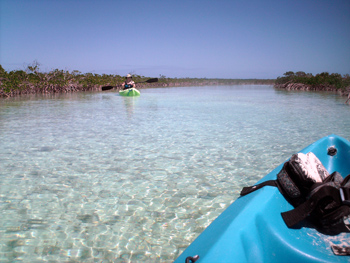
(129, 92)
(252, 229)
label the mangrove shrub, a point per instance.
(333, 80)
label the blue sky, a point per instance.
(178, 38)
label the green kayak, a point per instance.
(132, 92)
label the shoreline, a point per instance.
(293, 86)
(77, 87)
(28, 89)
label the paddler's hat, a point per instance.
(128, 76)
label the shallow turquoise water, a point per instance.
(95, 177)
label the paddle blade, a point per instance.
(107, 87)
(152, 80)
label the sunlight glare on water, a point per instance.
(90, 177)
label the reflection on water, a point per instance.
(129, 103)
(89, 177)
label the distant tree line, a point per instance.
(32, 80)
(164, 81)
(306, 81)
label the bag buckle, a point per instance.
(344, 195)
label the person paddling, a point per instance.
(129, 83)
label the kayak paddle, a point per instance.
(147, 81)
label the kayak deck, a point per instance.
(132, 92)
(252, 229)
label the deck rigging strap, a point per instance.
(249, 189)
(321, 197)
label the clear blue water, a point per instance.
(95, 177)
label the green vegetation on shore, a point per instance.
(306, 81)
(31, 80)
